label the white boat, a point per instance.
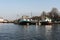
(47, 21)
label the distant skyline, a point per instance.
(13, 9)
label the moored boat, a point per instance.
(24, 22)
(47, 21)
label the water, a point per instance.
(33, 32)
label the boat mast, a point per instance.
(31, 14)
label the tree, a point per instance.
(54, 14)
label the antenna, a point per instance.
(31, 14)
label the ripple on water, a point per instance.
(32, 32)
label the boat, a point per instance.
(47, 21)
(24, 22)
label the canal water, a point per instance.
(32, 32)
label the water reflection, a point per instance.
(31, 32)
(55, 32)
(48, 32)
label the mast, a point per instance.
(31, 14)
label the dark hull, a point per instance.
(32, 23)
(45, 23)
(25, 23)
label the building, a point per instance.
(1, 19)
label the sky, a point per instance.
(13, 9)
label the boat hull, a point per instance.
(45, 23)
(25, 23)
